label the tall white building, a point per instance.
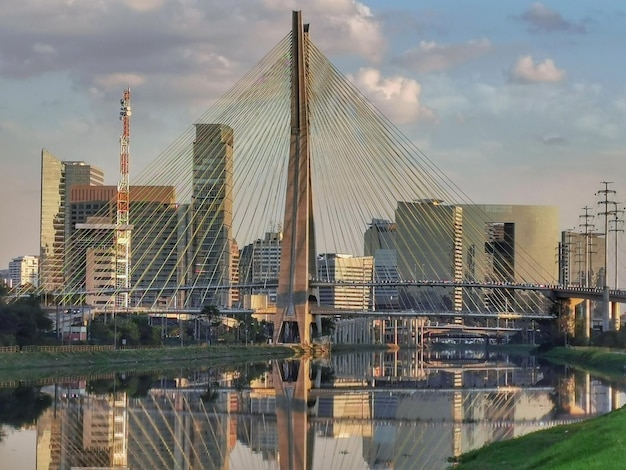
(346, 272)
(24, 270)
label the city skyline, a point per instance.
(515, 103)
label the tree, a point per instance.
(211, 315)
(22, 323)
(4, 290)
(148, 334)
(22, 406)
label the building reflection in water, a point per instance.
(377, 410)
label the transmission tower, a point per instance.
(586, 227)
(616, 226)
(122, 227)
(606, 317)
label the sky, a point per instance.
(516, 102)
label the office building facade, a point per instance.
(24, 270)
(430, 247)
(260, 264)
(210, 261)
(380, 243)
(57, 179)
(475, 243)
(154, 218)
(346, 272)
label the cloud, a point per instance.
(117, 81)
(552, 139)
(397, 97)
(44, 49)
(144, 5)
(340, 26)
(525, 70)
(540, 18)
(433, 57)
(159, 39)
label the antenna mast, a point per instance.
(122, 227)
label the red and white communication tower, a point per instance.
(122, 226)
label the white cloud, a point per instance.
(397, 97)
(432, 57)
(156, 39)
(339, 26)
(525, 70)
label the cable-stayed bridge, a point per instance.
(294, 188)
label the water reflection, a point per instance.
(406, 409)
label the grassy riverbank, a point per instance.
(609, 363)
(33, 366)
(596, 443)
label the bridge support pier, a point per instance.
(587, 321)
(615, 398)
(292, 384)
(606, 309)
(615, 316)
(567, 318)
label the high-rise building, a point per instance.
(380, 242)
(52, 222)
(517, 243)
(346, 272)
(99, 264)
(154, 218)
(430, 246)
(260, 263)
(57, 178)
(476, 243)
(210, 256)
(24, 270)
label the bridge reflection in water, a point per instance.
(401, 409)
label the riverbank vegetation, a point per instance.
(610, 363)
(39, 365)
(22, 322)
(597, 443)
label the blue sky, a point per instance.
(517, 102)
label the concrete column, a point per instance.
(615, 316)
(587, 321)
(606, 309)
(395, 331)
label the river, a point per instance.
(403, 409)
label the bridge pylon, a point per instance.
(292, 384)
(297, 262)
